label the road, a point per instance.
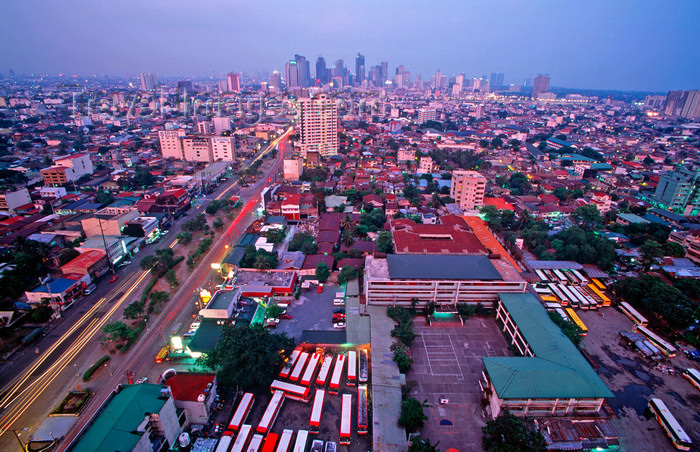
(34, 391)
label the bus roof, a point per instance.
(285, 440)
(318, 408)
(346, 415)
(325, 368)
(242, 411)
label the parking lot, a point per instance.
(448, 366)
(633, 381)
(312, 311)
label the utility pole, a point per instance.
(104, 242)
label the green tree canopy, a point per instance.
(322, 272)
(508, 433)
(385, 242)
(588, 217)
(412, 416)
(248, 356)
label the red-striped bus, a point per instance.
(346, 419)
(299, 366)
(287, 369)
(362, 422)
(291, 391)
(311, 369)
(285, 441)
(364, 374)
(242, 438)
(242, 412)
(302, 439)
(315, 421)
(255, 444)
(224, 442)
(337, 374)
(270, 442)
(352, 368)
(325, 369)
(271, 412)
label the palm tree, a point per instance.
(261, 263)
(348, 237)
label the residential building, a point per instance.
(319, 125)
(57, 292)
(425, 166)
(171, 144)
(275, 81)
(195, 393)
(541, 86)
(10, 200)
(685, 104)
(426, 114)
(148, 81)
(197, 149)
(233, 83)
(523, 384)
(91, 262)
(292, 169)
(679, 190)
(67, 169)
(105, 223)
(139, 418)
(602, 201)
(221, 123)
(223, 149)
(468, 189)
(205, 127)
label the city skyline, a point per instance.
(609, 46)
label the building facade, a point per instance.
(541, 86)
(170, 144)
(679, 190)
(233, 83)
(319, 125)
(468, 188)
(292, 169)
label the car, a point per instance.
(285, 316)
(339, 311)
(320, 288)
(339, 325)
(217, 428)
(142, 380)
(114, 278)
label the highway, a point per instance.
(34, 391)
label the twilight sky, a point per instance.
(628, 45)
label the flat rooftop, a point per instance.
(435, 266)
(222, 299)
(271, 278)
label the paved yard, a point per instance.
(313, 311)
(448, 366)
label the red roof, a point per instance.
(11, 220)
(452, 236)
(85, 260)
(187, 387)
(499, 203)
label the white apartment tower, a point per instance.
(319, 125)
(170, 144)
(468, 189)
(223, 148)
(292, 169)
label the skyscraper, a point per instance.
(540, 86)
(275, 80)
(233, 83)
(497, 79)
(468, 189)
(385, 72)
(359, 68)
(679, 190)
(148, 81)
(685, 104)
(321, 71)
(319, 125)
(297, 72)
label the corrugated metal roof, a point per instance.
(554, 265)
(419, 266)
(558, 369)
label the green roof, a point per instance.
(558, 369)
(206, 337)
(115, 428)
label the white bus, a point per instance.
(224, 442)
(291, 391)
(364, 372)
(569, 296)
(255, 443)
(540, 274)
(562, 298)
(311, 369)
(242, 412)
(337, 374)
(317, 411)
(632, 313)
(352, 368)
(271, 412)
(669, 423)
(693, 375)
(583, 301)
(362, 413)
(560, 276)
(285, 441)
(302, 439)
(582, 279)
(287, 369)
(325, 369)
(242, 438)
(346, 419)
(666, 348)
(299, 366)
(563, 315)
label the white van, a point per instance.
(339, 302)
(89, 289)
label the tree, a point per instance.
(348, 238)
(404, 332)
(650, 251)
(385, 242)
(41, 314)
(142, 178)
(134, 310)
(247, 356)
(412, 416)
(674, 249)
(346, 274)
(508, 433)
(309, 248)
(185, 237)
(276, 235)
(419, 444)
(218, 223)
(117, 330)
(159, 296)
(588, 217)
(261, 262)
(104, 197)
(322, 272)
(402, 356)
(66, 255)
(273, 311)
(570, 330)
(171, 278)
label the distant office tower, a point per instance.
(148, 81)
(527, 82)
(685, 104)
(359, 68)
(437, 80)
(185, 87)
(541, 86)
(468, 189)
(275, 80)
(459, 82)
(170, 144)
(321, 71)
(319, 125)
(233, 82)
(426, 114)
(497, 79)
(654, 101)
(297, 72)
(385, 71)
(679, 190)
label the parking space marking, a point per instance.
(444, 357)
